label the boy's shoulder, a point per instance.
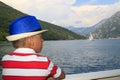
(25, 57)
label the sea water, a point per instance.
(80, 56)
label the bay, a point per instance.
(80, 56)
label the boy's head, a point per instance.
(34, 42)
(25, 32)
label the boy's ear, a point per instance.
(29, 41)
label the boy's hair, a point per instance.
(18, 43)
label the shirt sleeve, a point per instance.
(54, 70)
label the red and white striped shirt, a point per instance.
(25, 64)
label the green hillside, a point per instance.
(7, 14)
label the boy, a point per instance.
(25, 63)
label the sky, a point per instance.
(76, 13)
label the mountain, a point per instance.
(85, 30)
(8, 14)
(82, 30)
(109, 29)
(106, 28)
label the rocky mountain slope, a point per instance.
(109, 29)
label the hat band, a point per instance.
(23, 31)
(36, 30)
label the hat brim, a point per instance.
(23, 35)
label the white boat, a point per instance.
(91, 37)
(100, 75)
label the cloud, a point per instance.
(63, 13)
(92, 14)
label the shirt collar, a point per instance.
(24, 50)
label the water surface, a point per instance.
(79, 56)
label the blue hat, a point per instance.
(23, 27)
